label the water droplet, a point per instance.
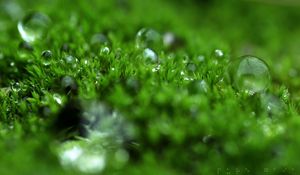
(191, 67)
(148, 38)
(201, 58)
(99, 39)
(156, 68)
(12, 64)
(218, 53)
(71, 60)
(250, 74)
(105, 50)
(150, 55)
(168, 39)
(272, 104)
(69, 85)
(82, 157)
(46, 54)
(34, 26)
(203, 86)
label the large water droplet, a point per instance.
(148, 38)
(34, 26)
(250, 74)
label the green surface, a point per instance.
(181, 126)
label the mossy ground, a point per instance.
(181, 127)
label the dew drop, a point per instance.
(105, 50)
(148, 38)
(250, 74)
(272, 104)
(168, 39)
(46, 54)
(12, 64)
(203, 86)
(34, 26)
(201, 58)
(99, 39)
(191, 67)
(69, 85)
(156, 68)
(218, 53)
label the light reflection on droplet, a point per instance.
(57, 99)
(150, 54)
(34, 26)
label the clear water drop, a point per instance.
(168, 39)
(201, 58)
(250, 74)
(99, 39)
(191, 67)
(105, 50)
(71, 60)
(148, 38)
(34, 26)
(12, 64)
(272, 104)
(46, 54)
(150, 55)
(203, 86)
(218, 53)
(156, 68)
(69, 85)
(99, 43)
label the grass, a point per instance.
(185, 118)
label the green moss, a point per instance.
(176, 119)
